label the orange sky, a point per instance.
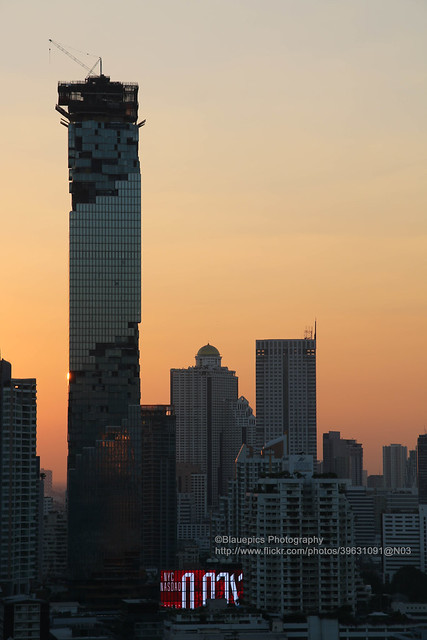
(284, 178)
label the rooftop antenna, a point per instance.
(82, 64)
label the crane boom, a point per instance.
(82, 64)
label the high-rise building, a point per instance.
(159, 498)
(105, 310)
(422, 468)
(343, 457)
(284, 579)
(207, 439)
(286, 393)
(19, 484)
(394, 466)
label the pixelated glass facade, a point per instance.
(105, 280)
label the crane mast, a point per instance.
(82, 64)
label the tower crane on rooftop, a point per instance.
(82, 64)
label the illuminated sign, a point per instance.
(192, 589)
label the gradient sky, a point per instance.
(284, 178)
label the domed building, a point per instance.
(208, 438)
(208, 356)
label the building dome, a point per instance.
(208, 350)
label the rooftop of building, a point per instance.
(98, 98)
(208, 350)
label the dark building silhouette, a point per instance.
(159, 496)
(394, 466)
(343, 457)
(105, 311)
(23, 617)
(20, 485)
(422, 468)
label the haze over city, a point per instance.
(283, 172)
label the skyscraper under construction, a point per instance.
(105, 312)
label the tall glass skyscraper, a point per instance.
(105, 310)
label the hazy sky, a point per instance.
(284, 178)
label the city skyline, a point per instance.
(283, 181)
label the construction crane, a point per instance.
(82, 64)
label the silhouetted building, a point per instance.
(394, 466)
(286, 393)
(23, 618)
(105, 310)
(343, 457)
(19, 484)
(159, 496)
(207, 439)
(422, 468)
(54, 565)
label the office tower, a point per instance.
(105, 310)
(394, 466)
(299, 507)
(286, 393)
(159, 495)
(422, 468)
(19, 484)
(343, 457)
(207, 440)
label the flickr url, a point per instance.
(312, 551)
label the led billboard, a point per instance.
(191, 589)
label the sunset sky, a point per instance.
(284, 167)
